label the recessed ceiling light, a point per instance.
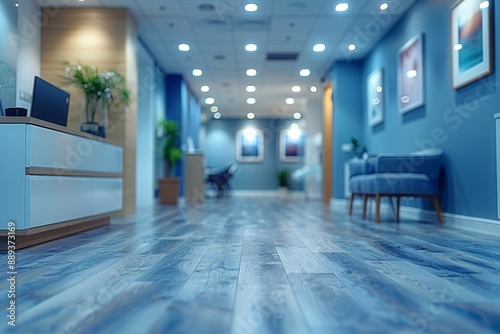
(384, 6)
(214, 109)
(251, 100)
(304, 72)
(183, 47)
(314, 89)
(16, 4)
(197, 72)
(457, 47)
(341, 7)
(484, 4)
(209, 100)
(379, 89)
(81, 0)
(319, 48)
(251, 72)
(411, 74)
(352, 47)
(290, 100)
(250, 115)
(295, 89)
(251, 47)
(204, 89)
(297, 115)
(251, 88)
(251, 7)
(217, 115)
(294, 126)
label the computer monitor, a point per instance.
(2, 111)
(49, 103)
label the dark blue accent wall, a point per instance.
(184, 108)
(458, 121)
(220, 151)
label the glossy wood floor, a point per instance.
(247, 265)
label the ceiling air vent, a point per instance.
(251, 24)
(282, 56)
(216, 23)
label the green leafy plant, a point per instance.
(283, 177)
(109, 86)
(168, 136)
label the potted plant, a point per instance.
(283, 181)
(168, 136)
(100, 91)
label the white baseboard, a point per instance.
(267, 193)
(475, 224)
(253, 193)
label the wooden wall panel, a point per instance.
(106, 38)
(327, 143)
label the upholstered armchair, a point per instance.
(397, 175)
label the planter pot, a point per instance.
(169, 190)
(283, 192)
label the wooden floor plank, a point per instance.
(267, 309)
(300, 260)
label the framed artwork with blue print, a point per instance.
(375, 97)
(411, 74)
(471, 41)
(249, 145)
(292, 145)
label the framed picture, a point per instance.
(411, 75)
(249, 145)
(375, 97)
(471, 41)
(292, 143)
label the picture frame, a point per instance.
(411, 75)
(375, 97)
(471, 41)
(292, 144)
(249, 145)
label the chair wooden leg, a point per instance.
(438, 209)
(365, 199)
(377, 212)
(398, 202)
(350, 204)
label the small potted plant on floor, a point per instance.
(168, 136)
(283, 181)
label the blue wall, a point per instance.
(458, 121)
(347, 119)
(220, 152)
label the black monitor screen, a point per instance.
(2, 113)
(49, 103)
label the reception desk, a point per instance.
(55, 181)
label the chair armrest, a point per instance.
(356, 167)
